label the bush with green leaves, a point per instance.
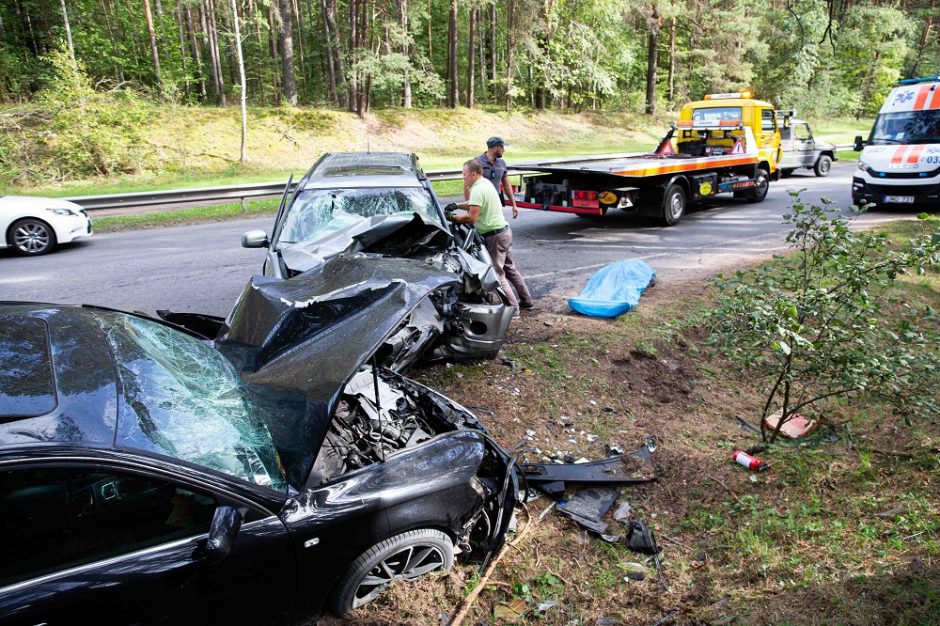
(90, 133)
(826, 322)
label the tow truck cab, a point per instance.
(759, 116)
(900, 160)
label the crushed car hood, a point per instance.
(311, 333)
(378, 234)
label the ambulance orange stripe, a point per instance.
(921, 97)
(684, 167)
(914, 156)
(898, 155)
(935, 101)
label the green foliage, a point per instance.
(824, 323)
(89, 132)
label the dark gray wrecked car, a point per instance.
(357, 220)
(256, 468)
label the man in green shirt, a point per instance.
(485, 214)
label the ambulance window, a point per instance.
(767, 120)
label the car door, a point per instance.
(803, 145)
(115, 546)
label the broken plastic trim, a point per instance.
(635, 467)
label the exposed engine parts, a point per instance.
(368, 427)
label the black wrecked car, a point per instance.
(375, 214)
(254, 470)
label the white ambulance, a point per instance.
(900, 160)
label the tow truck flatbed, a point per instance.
(713, 157)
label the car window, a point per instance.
(316, 213)
(768, 123)
(56, 518)
(801, 131)
(27, 387)
(910, 127)
(713, 115)
(182, 398)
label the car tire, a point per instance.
(406, 556)
(786, 173)
(674, 205)
(762, 181)
(31, 237)
(823, 165)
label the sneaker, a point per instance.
(526, 305)
(516, 314)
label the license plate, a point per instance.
(900, 199)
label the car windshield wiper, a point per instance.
(888, 139)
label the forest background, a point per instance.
(80, 80)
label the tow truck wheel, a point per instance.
(674, 202)
(761, 185)
(823, 165)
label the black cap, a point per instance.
(494, 141)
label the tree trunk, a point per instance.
(182, 37)
(68, 32)
(430, 37)
(212, 32)
(153, 47)
(510, 44)
(195, 51)
(671, 93)
(452, 56)
(300, 43)
(108, 17)
(471, 53)
(328, 40)
(244, 89)
(491, 50)
(274, 53)
(353, 84)
(924, 38)
(652, 58)
(288, 82)
(406, 84)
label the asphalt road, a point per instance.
(203, 268)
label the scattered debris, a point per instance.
(750, 462)
(510, 611)
(635, 467)
(892, 512)
(623, 511)
(634, 571)
(588, 507)
(746, 426)
(607, 621)
(640, 539)
(544, 606)
(795, 427)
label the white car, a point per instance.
(33, 225)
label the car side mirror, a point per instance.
(255, 239)
(859, 143)
(226, 522)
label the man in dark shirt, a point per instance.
(494, 170)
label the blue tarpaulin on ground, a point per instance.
(614, 289)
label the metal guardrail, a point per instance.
(254, 191)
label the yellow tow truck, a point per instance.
(725, 143)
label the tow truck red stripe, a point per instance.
(898, 155)
(914, 156)
(921, 97)
(554, 207)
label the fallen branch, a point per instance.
(472, 596)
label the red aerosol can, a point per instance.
(750, 462)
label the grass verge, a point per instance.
(840, 531)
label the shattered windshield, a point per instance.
(317, 213)
(907, 127)
(182, 398)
